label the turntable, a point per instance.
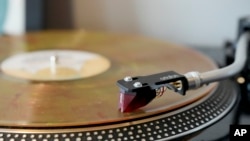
(61, 85)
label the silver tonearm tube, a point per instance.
(196, 79)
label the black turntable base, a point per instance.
(78, 99)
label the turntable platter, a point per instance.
(92, 100)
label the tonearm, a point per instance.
(138, 91)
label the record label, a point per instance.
(49, 65)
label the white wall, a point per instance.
(14, 23)
(188, 22)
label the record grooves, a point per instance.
(85, 105)
(168, 125)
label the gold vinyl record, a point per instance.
(68, 78)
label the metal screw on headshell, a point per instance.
(137, 84)
(128, 78)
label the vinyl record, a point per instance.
(37, 92)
